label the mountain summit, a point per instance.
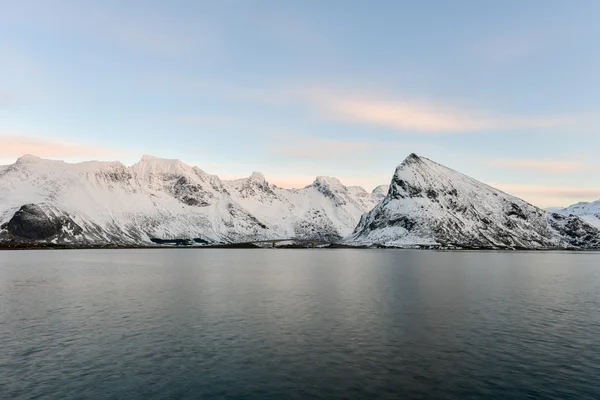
(426, 204)
(430, 204)
(107, 202)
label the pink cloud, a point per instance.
(16, 146)
(553, 191)
(540, 165)
(414, 115)
(546, 196)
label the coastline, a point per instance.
(250, 246)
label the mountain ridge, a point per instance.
(109, 202)
(433, 205)
(425, 204)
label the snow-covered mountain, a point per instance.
(108, 202)
(588, 211)
(425, 204)
(429, 204)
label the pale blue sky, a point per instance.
(505, 91)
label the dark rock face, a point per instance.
(257, 187)
(177, 242)
(31, 222)
(575, 231)
(401, 189)
(189, 193)
(239, 213)
(315, 226)
(329, 192)
(517, 212)
(115, 175)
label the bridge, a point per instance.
(313, 243)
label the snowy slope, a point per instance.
(380, 192)
(99, 202)
(326, 209)
(429, 204)
(589, 212)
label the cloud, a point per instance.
(419, 116)
(553, 191)
(14, 146)
(546, 196)
(540, 165)
(403, 113)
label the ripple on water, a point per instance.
(253, 324)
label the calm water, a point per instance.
(295, 324)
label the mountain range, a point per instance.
(425, 205)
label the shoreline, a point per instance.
(250, 246)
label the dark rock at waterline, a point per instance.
(33, 223)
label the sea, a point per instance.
(299, 324)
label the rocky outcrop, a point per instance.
(32, 222)
(575, 231)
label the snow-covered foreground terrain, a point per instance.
(101, 202)
(426, 204)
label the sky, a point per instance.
(507, 92)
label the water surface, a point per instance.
(295, 324)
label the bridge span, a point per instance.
(313, 243)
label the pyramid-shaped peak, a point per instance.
(413, 159)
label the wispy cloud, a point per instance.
(554, 191)
(14, 146)
(419, 116)
(403, 113)
(546, 196)
(540, 165)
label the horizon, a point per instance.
(503, 93)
